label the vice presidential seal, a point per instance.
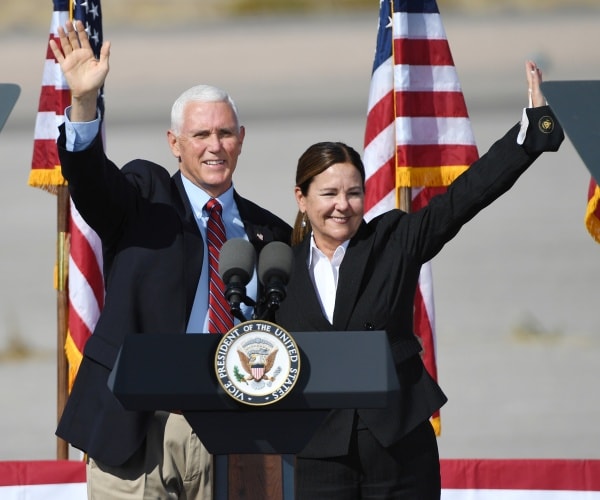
(257, 363)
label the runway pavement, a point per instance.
(516, 291)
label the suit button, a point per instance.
(369, 326)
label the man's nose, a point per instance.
(214, 141)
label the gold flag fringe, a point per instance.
(46, 179)
(592, 214)
(428, 176)
(74, 357)
(436, 423)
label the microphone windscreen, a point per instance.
(275, 260)
(237, 258)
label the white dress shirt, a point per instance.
(234, 227)
(324, 274)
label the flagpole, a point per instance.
(62, 266)
(404, 199)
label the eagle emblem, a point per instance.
(258, 365)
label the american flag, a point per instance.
(418, 134)
(592, 215)
(85, 280)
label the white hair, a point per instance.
(199, 93)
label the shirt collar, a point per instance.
(315, 253)
(198, 197)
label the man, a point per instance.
(154, 229)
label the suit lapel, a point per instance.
(351, 274)
(306, 302)
(258, 234)
(193, 246)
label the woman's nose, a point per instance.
(342, 200)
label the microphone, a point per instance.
(236, 265)
(274, 269)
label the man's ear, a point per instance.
(242, 134)
(173, 144)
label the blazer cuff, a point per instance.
(101, 351)
(540, 130)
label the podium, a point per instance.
(9, 93)
(575, 104)
(176, 372)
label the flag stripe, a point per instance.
(377, 115)
(422, 52)
(426, 78)
(380, 150)
(420, 24)
(432, 130)
(86, 310)
(43, 152)
(86, 255)
(47, 123)
(79, 333)
(381, 84)
(424, 104)
(376, 187)
(41, 472)
(435, 156)
(51, 101)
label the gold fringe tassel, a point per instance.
(592, 222)
(436, 423)
(428, 176)
(74, 357)
(46, 179)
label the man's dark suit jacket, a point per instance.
(153, 253)
(378, 278)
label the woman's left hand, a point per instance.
(534, 79)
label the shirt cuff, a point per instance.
(79, 135)
(523, 129)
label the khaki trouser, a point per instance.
(172, 464)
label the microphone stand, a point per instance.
(273, 296)
(235, 294)
(236, 310)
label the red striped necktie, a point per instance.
(220, 319)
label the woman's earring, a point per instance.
(303, 223)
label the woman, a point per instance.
(352, 275)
